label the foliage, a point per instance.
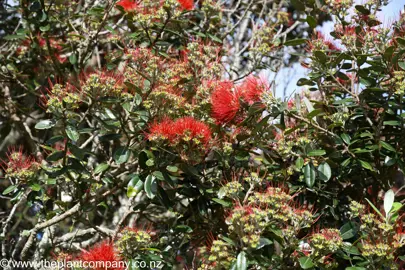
(150, 134)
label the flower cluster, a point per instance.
(19, 165)
(133, 242)
(103, 252)
(260, 217)
(136, 5)
(248, 223)
(226, 98)
(187, 135)
(221, 256)
(104, 84)
(326, 241)
(381, 239)
(54, 46)
(60, 97)
(186, 129)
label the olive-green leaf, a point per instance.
(45, 124)
(299, 163)
(315, 153)
(387, 146)
(9, 189)
(55, 156)
(135, 185)
(309, 175)
(150, 186)
(101, 168)
(121, 155)
(366, 165)
(306, 262)
(324, 172)
(241, 261)
(348, 230)
(389, 198)
(72, 133)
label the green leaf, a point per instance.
(345, 138)
(362, 9)
(135, 185)
(309, 174)
(387, 146)
(55, 156)
(314, 113)
(324, 172)
(45, 28)
(121, 155)
(299, 163)
(9, 189)
(311, 22)
(73, 59)
(150, 162)
(45, 124)
(172, 169)
(355, 268)
(389, 198)
(183, 229)
(295, 42)
(348, 230)
(306, 262)
(392, 123)
(375, 208)
(401, 65)
(264, 242)
(350, 249)
(346, 162)
(101, 168)
(214, 38)
(298, 5)
(35, 187)
(72, 133)
(222, 202)
(388, 53)
(305, 81)
(321, 56)
(315, 153)
(150, 186)
(366, 165)
(241, 261)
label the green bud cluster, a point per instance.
(132, 242)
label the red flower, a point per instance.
(186, 4)
(186, 128)
(225, 102)
(252, 89)
(162, 130)
(191, 128)
(103, 252)
(128, 5)
(18, 164)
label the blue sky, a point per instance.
(286, 80)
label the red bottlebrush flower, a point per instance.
(192, 129)
(186, 128)
(18, 164)
(252, 89)
(161, 130)
(186, 4)
(103, 252)
(321, 41)
(128, 5)
(225, 102)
